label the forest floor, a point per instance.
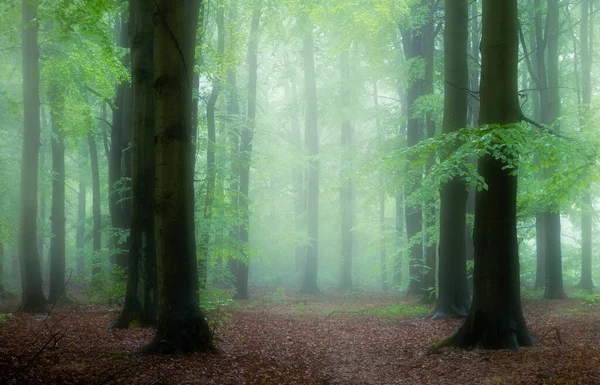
(283, 338)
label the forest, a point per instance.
(299, 192)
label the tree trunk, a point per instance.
(310, 283)
(80, 235)
(400, 236)
(58, 219)
(347, 186)
(382, 227)
(430, 211)
(587, 208)
(211, 172)
(96, 216)
(454, 299)
(554, 280)
(2, 289)
(241, 281)
(41, 240)
(33, 299)
(412, 44)
(182, 327)
(495, 320)
(141, 292)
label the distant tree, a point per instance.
(241, 278)
(81, 214)
(347, 198)
(454, 299)
(495, 320)
(33, 299)
(96, 215)
(587, 208)
(182, 327)
(58, 219)
(310, 285)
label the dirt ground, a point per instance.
(279, 338)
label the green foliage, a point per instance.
(587, 298)
(5, 317)
(108, 286)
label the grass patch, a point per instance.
(400, 310)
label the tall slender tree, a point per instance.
(310, 284)
(96, 215)
(241, 281)
(347, 185)
(58, 219)
(33, 299)
(587, 208)
(454, 299)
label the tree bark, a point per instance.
(454, 299)
(182, 327)
(33, 299)
(58, 219)
(347, 185)
(495, 320)
(141, 290)
(310, 283)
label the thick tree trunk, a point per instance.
(141, 292)
(96, 216)
(310, 283)
(58, 219)
(347, 187)
(33, 299)
(553, 255)
(182, 327)
(495, 320)
(41, 240)
(400, 238)
(2, 289)
(454, 299)
(587, 208)
(540, 242)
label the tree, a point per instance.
(211, 171)
(58, 219)
(553, 255)
(33, 299)
(141, 291)
(454, 299)
(347, 185)
(495, 320)
(587, 208)
(241, 279)
(96, 218)
(309, 285)
(182, 327)
(412, 45)
(81, 204)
